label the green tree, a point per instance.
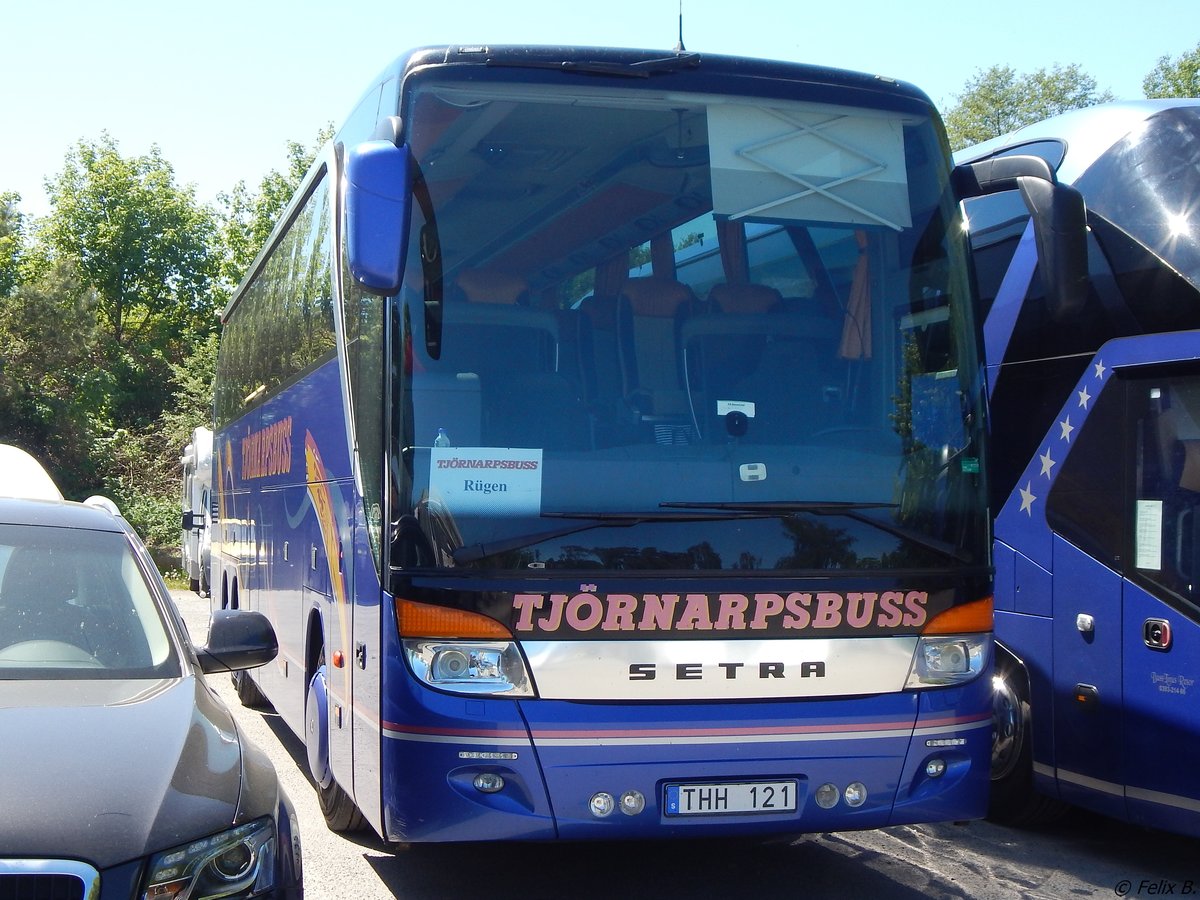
(142, 241)
(51, 379)
(997, 100)
(250, 217)
(1178, 77)
(11, 242)
(149, 252)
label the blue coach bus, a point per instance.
(554, 550)
(1095, 414)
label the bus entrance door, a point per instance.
(1160, 663)
(1087, 681)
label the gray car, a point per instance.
(122, 775)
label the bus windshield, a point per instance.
(672, 331)
(1148, 185)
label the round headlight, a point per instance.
(827, 796)
(856, 794)
(633, 802)
(234, 863)
(602, 804)
(449, 665)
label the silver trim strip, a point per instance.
(1095, 784)
(710, 739)
(1145, 795)
(734, 735)
(1172, 800)
(465, 740)
(69, 867)
(719, 669)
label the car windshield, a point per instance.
(75, 604)
(704, 327)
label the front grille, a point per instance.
(47, 879)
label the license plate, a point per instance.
(735, 797)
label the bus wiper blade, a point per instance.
(822, 506)
(849, 509)
(643, 69)
(476, 552)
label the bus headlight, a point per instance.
(470, 667)
(948, 659)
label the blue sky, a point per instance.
(222, 85)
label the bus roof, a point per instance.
(593, 61)
(1084, 133)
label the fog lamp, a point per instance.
(856, 794)
(602, 804)
(488, 782)
(935, 768)
(632, 802)
(827, 796)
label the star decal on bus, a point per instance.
(1084, 397)
(1067, 428)
(1047, 463)
(1027, 498)
(1100, 369)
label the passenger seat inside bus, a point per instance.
(650, 312)
(488, 331)
(746, 350)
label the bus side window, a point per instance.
(1167, 493)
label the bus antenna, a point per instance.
(679, 48)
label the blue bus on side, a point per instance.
(557, 551)
(1095, 419)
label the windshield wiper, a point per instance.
(476, 552)
(849, 509)
(643, 69)
(814, 506)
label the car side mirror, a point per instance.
(237, 639)
(1059, 221)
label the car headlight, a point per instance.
(470, 667)
(948, 659)
(235, 863)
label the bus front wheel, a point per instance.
(1014, 801)
(341, 815)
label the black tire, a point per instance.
(1013, 798)
(248, 692)
(342, 816)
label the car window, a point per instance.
(75, 604)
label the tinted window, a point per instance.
(1149, 186)
(1087, 503)
(283, 322)
(635, 309)
(1165, 416)
(74, 604)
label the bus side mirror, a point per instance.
(1059, 221)
(377, 212)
